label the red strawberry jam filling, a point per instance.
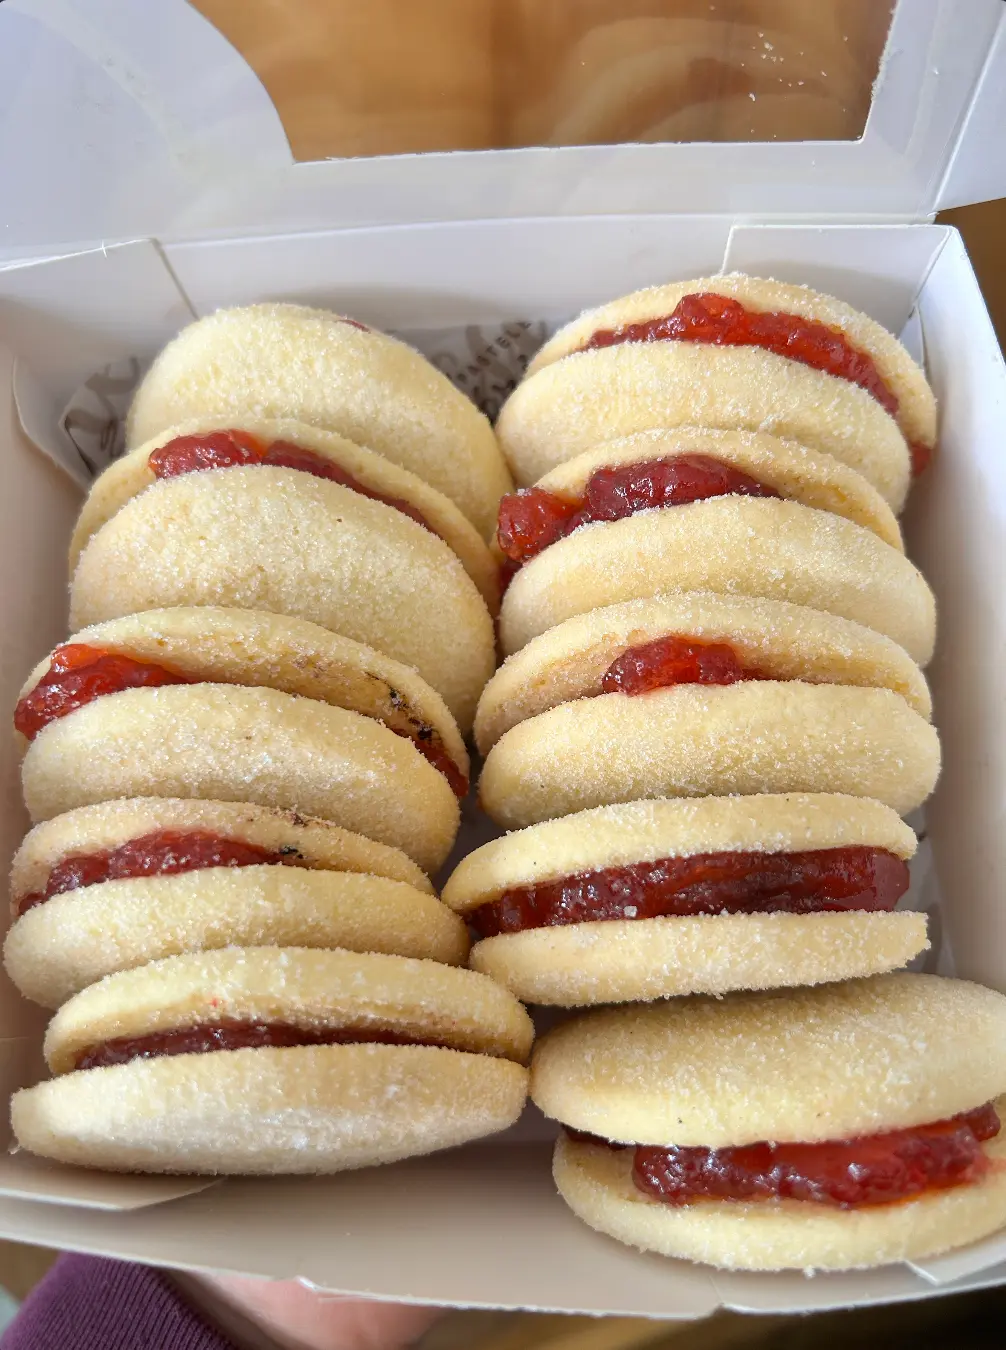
(237, 1035)
(674, 660)
(811, 882)
(875, 1169)
(78, 674)
(723, 321)
(230, 449)
(532, 519)
(159, 853)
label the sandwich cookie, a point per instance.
(228, 743)
(833, 1128)
(272, 1060)
(654, 899)
(200, 445)
(275, 361)
(598, 395)
(690, 637)
(655, 469)
(192, 645)
(695, 740)
(77, 937)
(286, 542)
(152, 836)
(796, 322)
(779, 550)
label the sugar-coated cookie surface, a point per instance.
(916, 414)
(789, 468)
(228, 743)
(295, 987)
(311, 1109)
(574, 404)
(306, 548)
(76, 938)
(125, 478)
(776, 550)
(645, 831)
(597, 1185)
(774, 638)
(635, 960)
(105, 826)
(801, 1065)
(691, 740)
(291, 361)
(273, 651)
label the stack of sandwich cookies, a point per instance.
(247, 761)
(112, 886)
(844, 1126)
(276, 1060)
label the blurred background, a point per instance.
(393, 76)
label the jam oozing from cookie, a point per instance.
(230, 449)
(725, 322)
(811, 882)
(233, 1034)
(159, 853)
(78, 674)
(532, 519)
(876, 1169)
(674, 660)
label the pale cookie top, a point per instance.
(832, 1062)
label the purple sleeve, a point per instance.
(88, 1303)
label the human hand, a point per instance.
(258, 1314)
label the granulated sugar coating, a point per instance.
(72, 940)
(572, 405)
(916, 413)
(273, 651)
(644, 831)
(289, 361)
(803, 1065)
(296, 987)
(636, 960)
(778, 640)
(282, 541)
(690, 740)
(233, 744)
(787, 467)
(105, 826)
(125, 478)
(743, 545)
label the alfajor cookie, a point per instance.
(802, 324)
(275, 361)
(212, 645)
(203, 444)
(146, 836)
(833, 1128)
(572, 405)
(276, 1060)
(653, 899)
(283, 541)
(692, 740)
(779, 550)
(74, 938)
(654, 469)
(229, 743)
(691, 636)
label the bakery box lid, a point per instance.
(180, 120)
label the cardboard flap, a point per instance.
(24, 1177)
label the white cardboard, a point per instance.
(409, 1231)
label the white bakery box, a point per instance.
(145, 177)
